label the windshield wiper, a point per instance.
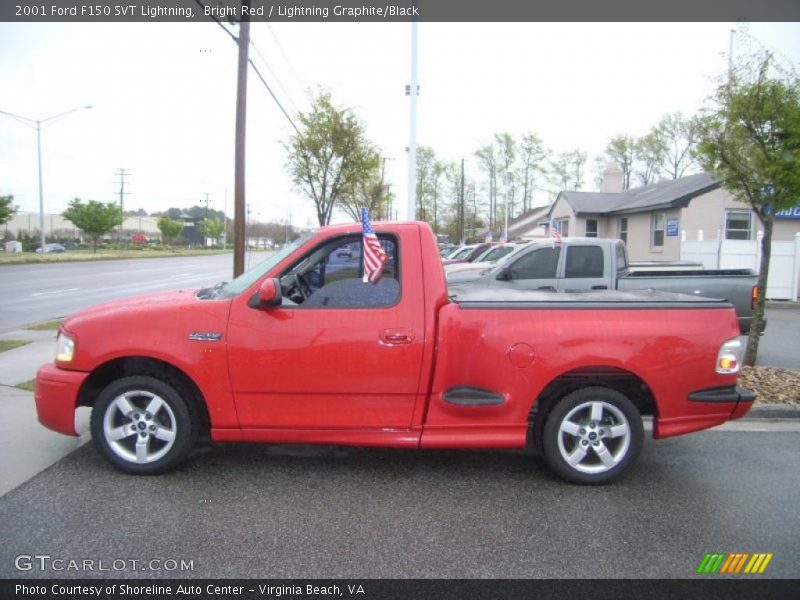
(212, 292)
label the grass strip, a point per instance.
(11, 344)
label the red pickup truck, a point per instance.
(300, 350)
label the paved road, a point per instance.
(280, 511)
(39, 292)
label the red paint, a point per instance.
(376, 376)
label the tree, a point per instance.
(210, 229)
(621, 150)
(567, 170)
(649, 151)
(749, 138)
(506, 154)
(169, 228)
(93, 218)
(330, 155)
(373, 195)
(7, 209)
(532, 154)
(678, 137)
(487, 160)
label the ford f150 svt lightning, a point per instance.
(300, 350)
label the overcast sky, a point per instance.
(163, 98)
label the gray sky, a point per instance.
(164, 94)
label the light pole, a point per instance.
(38, 123)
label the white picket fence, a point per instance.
(783, 282)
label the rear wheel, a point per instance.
(592, 436)
(143, 425)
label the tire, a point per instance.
(142, 425)
(592, 436)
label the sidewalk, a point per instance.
(27, 448)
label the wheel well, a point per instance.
(143, 365)
(628, 384)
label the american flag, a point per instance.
(503, 237)
(554, 232)
(374, 255)
(487, 238)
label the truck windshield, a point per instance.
(248, 278)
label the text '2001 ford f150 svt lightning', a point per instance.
(301, 350)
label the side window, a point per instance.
(331, 276)
(584, 261)
(622, 258)
(539, 264)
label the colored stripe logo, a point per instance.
(735, 563)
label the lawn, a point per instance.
(11, 344)
(8, 258)
(46, 326)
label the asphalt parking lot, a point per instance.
(261, 511)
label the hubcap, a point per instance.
(594, 437)
(139, 426)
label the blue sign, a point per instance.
(672, 227)
(789, 214)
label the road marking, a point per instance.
(57, 292)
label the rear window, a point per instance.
(584, 262)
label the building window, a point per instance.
(591, 228)
(738, 225)
(657, 239)
(562, 225)
(623, 229)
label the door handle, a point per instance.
(547, 288)
(397, 336)
(599, 287)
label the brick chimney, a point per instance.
(612, 178)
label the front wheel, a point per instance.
(142, 425)
(592, 436)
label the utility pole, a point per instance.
(461, 224)
(413, 91)
(205, 239)
(122, 174)
(241, 126)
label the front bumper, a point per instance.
(57, 397)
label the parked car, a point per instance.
(48, 248)
(399, 363)
(467, 253)
(485, 260)
(587, 264)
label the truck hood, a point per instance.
(131, 306)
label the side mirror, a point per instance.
(268, 295)
(504, 274)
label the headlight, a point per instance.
(65, 348)
(729, 357)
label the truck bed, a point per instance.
(489, 297)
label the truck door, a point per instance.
(338, 353)
(584, 269)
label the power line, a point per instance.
(275, 76)
(299, 81)
(252, 64)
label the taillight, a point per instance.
(754, 297)
(729, 357)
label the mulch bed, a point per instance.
(773, 386)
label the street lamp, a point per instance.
(38, 123)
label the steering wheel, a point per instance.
(301, 286)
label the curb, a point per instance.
(773, 411)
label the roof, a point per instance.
(676, 193)
(528, 220)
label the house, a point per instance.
(655, 218)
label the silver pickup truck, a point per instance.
(585, 264)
